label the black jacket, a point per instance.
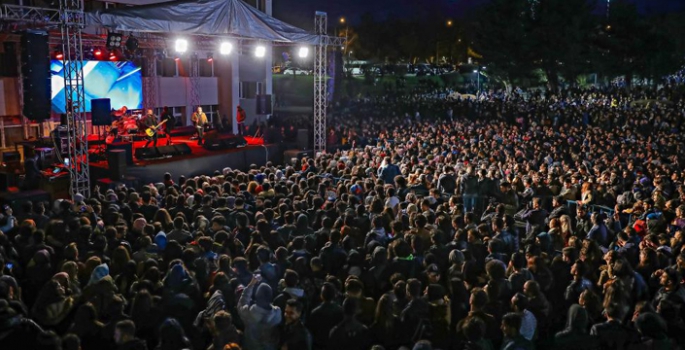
(320, 322)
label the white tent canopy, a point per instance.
(202, 17)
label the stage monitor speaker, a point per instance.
(263, 104)
(101, 111)
(217, 141)
(174, 150)
(116, 159)
(35, 72)
(147, 153)
(126, 146)
(302, 138)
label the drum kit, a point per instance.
(124, 126)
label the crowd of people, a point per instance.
(524, 220)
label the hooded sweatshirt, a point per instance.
(261, 318)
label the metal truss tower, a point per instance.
(72, 22)
(320, 86)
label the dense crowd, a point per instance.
(515, 221)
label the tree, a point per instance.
(500, 32)
(560, 38)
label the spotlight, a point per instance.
(59, 55)
(210, 57)
(112, 56)
(114, 40)
(225, 48)
(260, 51)
(131, 43)
(181, 45)
(177, 58)
(304, 52)
(97, 53)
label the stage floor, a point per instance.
(196, 150)
(200, 162)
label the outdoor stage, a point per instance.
(201, 161)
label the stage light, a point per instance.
(225, 48)
(112, 56)
(304, 52)
(59, 55)
(475, 71)
(181, 45)
(132, 43)
(177, 58)
(210, 57)
(114, 40)
(97, 53)
(260, 51)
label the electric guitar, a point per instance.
(151, 131)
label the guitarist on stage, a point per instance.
(150, 121)
(200, 121)
(170, 122)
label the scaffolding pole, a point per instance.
(72, 22)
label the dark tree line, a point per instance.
(564, 39)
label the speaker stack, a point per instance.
(263, 104)
(216, 141)
(116, 159)
(181, 149)
(35, 71)
(101, 111)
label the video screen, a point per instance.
(120, 81)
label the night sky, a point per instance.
(301, 12)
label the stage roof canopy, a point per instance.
(201, 17)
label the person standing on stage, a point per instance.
(150, 121)
(240, 118)
(200, 121)
(170, 123)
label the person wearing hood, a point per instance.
(100, 289)
(575, 335)
(291, 290)
(377, 233)
(261, 318)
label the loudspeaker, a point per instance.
(147, 153)
(101, 111)
(35, 71)
(116, 159)
(302, 138)
(174, 150)
(126, 146)
(216, 141)
(263, 104)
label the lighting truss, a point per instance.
(72, 48)
(320, 86)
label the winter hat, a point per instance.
(160, 240)
(263, 296)
(98, 274)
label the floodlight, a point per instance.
(181, 45)
(226, 48)
(260, 51)
(304, 52)
(475, 71)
